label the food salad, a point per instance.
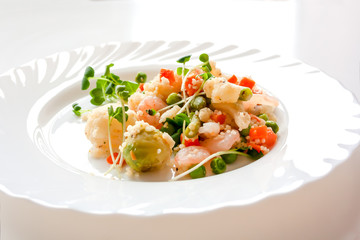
(195, 120)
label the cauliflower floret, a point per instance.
(204, 114)
(221, 91)
(96, 130)
(236, 111)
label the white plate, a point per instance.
(44, 151)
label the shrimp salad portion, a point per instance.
(195, 120)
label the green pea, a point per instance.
(218, 165)
(245, 132)
(193, 128)
(173, 98)
(245, 94)
(229, 158)
(140, 77)
(198, 173)
(273, 126)
(264, 116)
(198, 103)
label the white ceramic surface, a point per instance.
(321, 119)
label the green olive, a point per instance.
(146, 151)
(173, 98)
(198, 103)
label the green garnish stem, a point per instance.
(123, 132)
(123, 139)
(206, 160)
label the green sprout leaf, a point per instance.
(76, 109)
(89, 73)
(204, 57)
(98, 96)
(184, 59)
(117, 113)
(179, 71)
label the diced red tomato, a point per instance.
(189, 141)
(263, 132)
(255, 146)
(247, 82)
(219, 118)
(141, 87)
(192, 84)
(258, 132)
(110, 161)
(167, 73)
(233, 79)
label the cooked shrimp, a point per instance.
(189, 156)
(209, 129)
(222, 142)
(135, 99)
(149, 103)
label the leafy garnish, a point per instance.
(118, 113)
(174, 126)
(180, 71)
(184, 59)
(89, 73)
(204, 57)
(106, 86)
(76, 109)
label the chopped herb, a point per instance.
(151, 112)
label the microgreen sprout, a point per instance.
(76, 109)
(184, 59)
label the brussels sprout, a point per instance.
(146, 151)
